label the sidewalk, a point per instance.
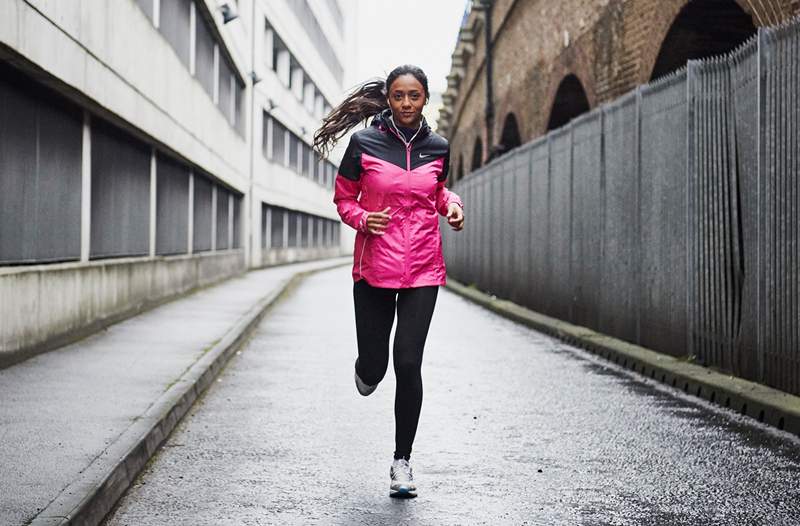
(77, 424)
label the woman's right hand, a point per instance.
(377, 221)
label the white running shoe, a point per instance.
(363, 388)
(402, 485)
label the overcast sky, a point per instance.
(395, 32)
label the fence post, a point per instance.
(760, 207)
(571, 274)
(637, 155)
(690, 231)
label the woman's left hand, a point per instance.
(455, 216)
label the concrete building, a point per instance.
(553, 60)
(149, 147)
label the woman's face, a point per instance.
(406, 99)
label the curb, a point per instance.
(89, 498)
(767, 405)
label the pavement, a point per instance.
(517, 427)
(78, 424)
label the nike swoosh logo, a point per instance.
(423, 156)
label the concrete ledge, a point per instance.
(768, 405)
(89, 498)
(43, 307)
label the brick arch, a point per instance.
(662, 21)
(574, 61)
(572, 92)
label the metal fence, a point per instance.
(668, 218)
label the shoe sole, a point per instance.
(369, 388)
(402, 493)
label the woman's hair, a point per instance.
(364, 102)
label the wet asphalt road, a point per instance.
(516, 428)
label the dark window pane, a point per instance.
(202, 213)
(172, 207)
(223, 232)
(120, 193)
(40, 173)
(278, 219)
(174, 25)
(204, 55)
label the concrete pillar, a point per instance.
(269, 138)
(86, 188)
(230, 220)
(285, 228)
(192, 38)
(216, 74)
(157, 13)
(190, 242)
(214, 218)
(268, 227)
(153, 200)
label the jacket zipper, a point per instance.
(408, 179)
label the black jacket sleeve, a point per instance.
(350, 166)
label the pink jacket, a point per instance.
(380, 169)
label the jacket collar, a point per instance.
(385, 122)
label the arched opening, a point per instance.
(510, 138)
(570, 101)
(477, 154)
(703, 28)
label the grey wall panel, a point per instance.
(560, 222)
(203, 213)
(779, 208)
(507, 272)
(663, 215)
(237, 221)
(744, 85)
(223, 228)
(279, 217)
(172, 207)
(120, 193)
(586, 212)
(619, 272)
(174, 25)
(293, 219)
(204, 55)
(40, 174)
(539, 196)
(225, 100)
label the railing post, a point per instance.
(637, 156)
(689, 217)
(760, 208)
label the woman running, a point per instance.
(389, 188)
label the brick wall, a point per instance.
(610, 45)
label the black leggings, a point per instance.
(374, 317)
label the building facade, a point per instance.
(148, 147)
(554, 60)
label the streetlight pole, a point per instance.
(487, 26)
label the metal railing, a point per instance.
(669, 218)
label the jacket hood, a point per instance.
(384, 119)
